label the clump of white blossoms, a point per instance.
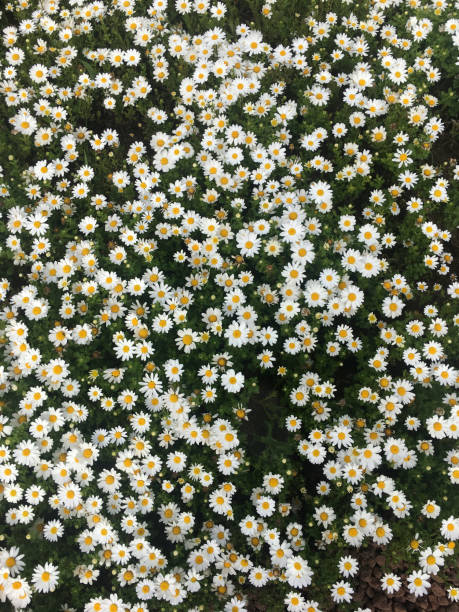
(192, 211)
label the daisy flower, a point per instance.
(232, 381)
(341, 591)
(348, 566)
(298, 572)
(453, 593)
(258, 576)
(450, 528)
(418, 583)
(187, 339)
(45, 577)
(294, 602)
(265, 506)
(390, 583)
(431, 560)
(13, 560)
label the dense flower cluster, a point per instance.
(198, 209)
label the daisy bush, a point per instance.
(228, 306)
